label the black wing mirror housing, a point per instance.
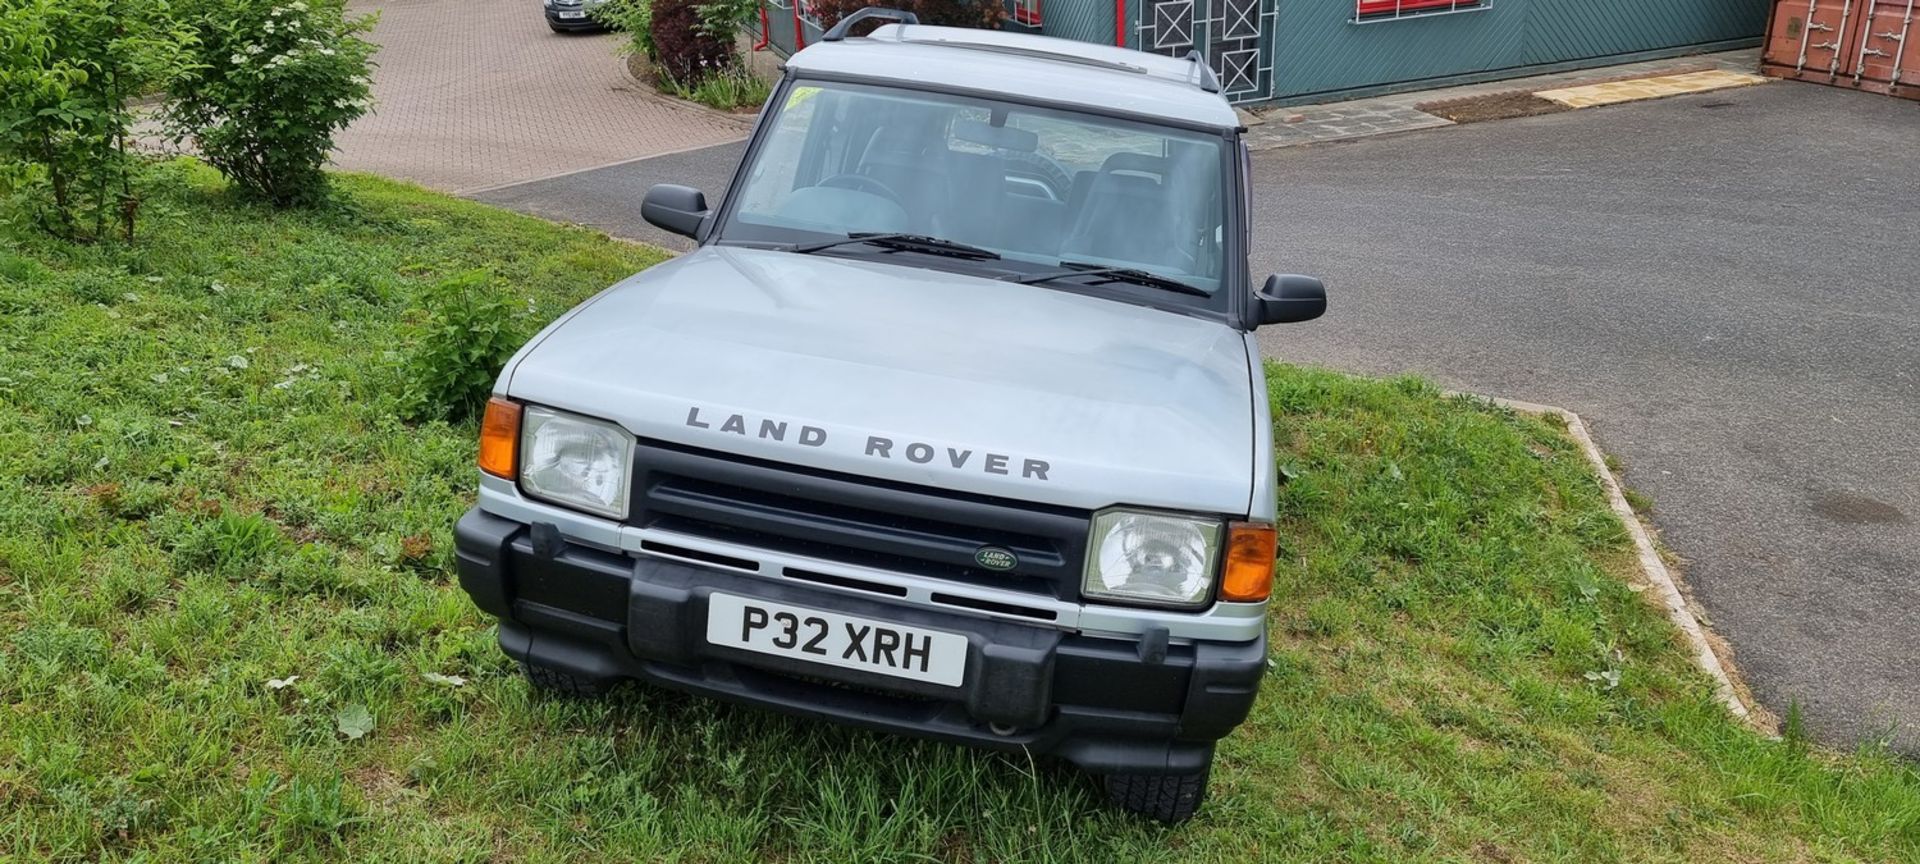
(1287, 299)
(679, 209)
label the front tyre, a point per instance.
(554, 682)
(1166, 798)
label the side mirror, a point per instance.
(679, 209)
(1288, 299)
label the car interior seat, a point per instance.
(1129, 215)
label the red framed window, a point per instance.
(1376, 9)
(1026, 12)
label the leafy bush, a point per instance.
(723, 19)
(985, 14)
(684, 45)
(633, 17)
(269, 87)
(67, 70)
(470, 337)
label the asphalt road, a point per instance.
(1727, 286)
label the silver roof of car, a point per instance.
(1061, 71)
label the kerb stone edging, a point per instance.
(1652, 568)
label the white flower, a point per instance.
(297, 6)
(326, 52)
(236, 59)
(255, 48)
(268, 26)
(238, 362)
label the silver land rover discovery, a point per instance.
(953, 424)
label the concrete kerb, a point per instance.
(1652, 567)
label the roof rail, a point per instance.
(1208, 82)
(839, 30)
(1031, 52)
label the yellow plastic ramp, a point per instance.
(1615, 92)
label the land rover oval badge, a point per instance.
(995, 558)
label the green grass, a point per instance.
(203, 488)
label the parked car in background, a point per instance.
(571, 15)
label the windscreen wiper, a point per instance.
(1113, 274)
(909, 242)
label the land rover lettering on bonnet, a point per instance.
(917, 452)
(951, 425)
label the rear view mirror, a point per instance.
(679, 209)
(998, 137)
(1288, 299)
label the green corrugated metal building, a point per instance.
(1282, 51)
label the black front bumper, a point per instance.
(1105, 705)
(583, 23)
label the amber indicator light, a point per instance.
(500, 437)
(1249, 571)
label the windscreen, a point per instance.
(1036, 185)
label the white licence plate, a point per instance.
(573, 14)
(837, 640)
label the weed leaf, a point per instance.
(353, 721)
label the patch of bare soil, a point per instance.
(1494, 106)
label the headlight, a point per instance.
(569, 459)
(1151, 558)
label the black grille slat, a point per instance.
(857, 521)
(793, 519)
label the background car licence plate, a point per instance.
(837, 640)
(573, 14)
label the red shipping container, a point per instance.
(1864, 44)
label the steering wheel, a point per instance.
(863, 183)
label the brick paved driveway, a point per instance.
(479, 93)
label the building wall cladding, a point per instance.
(1318, 49)
(1085, 20)
(1314, 50)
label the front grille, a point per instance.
(855, 520)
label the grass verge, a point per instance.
(228, 630)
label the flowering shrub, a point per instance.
(270, 86)
(67, 70)
(685, 46)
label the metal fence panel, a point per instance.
(1235, 36)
